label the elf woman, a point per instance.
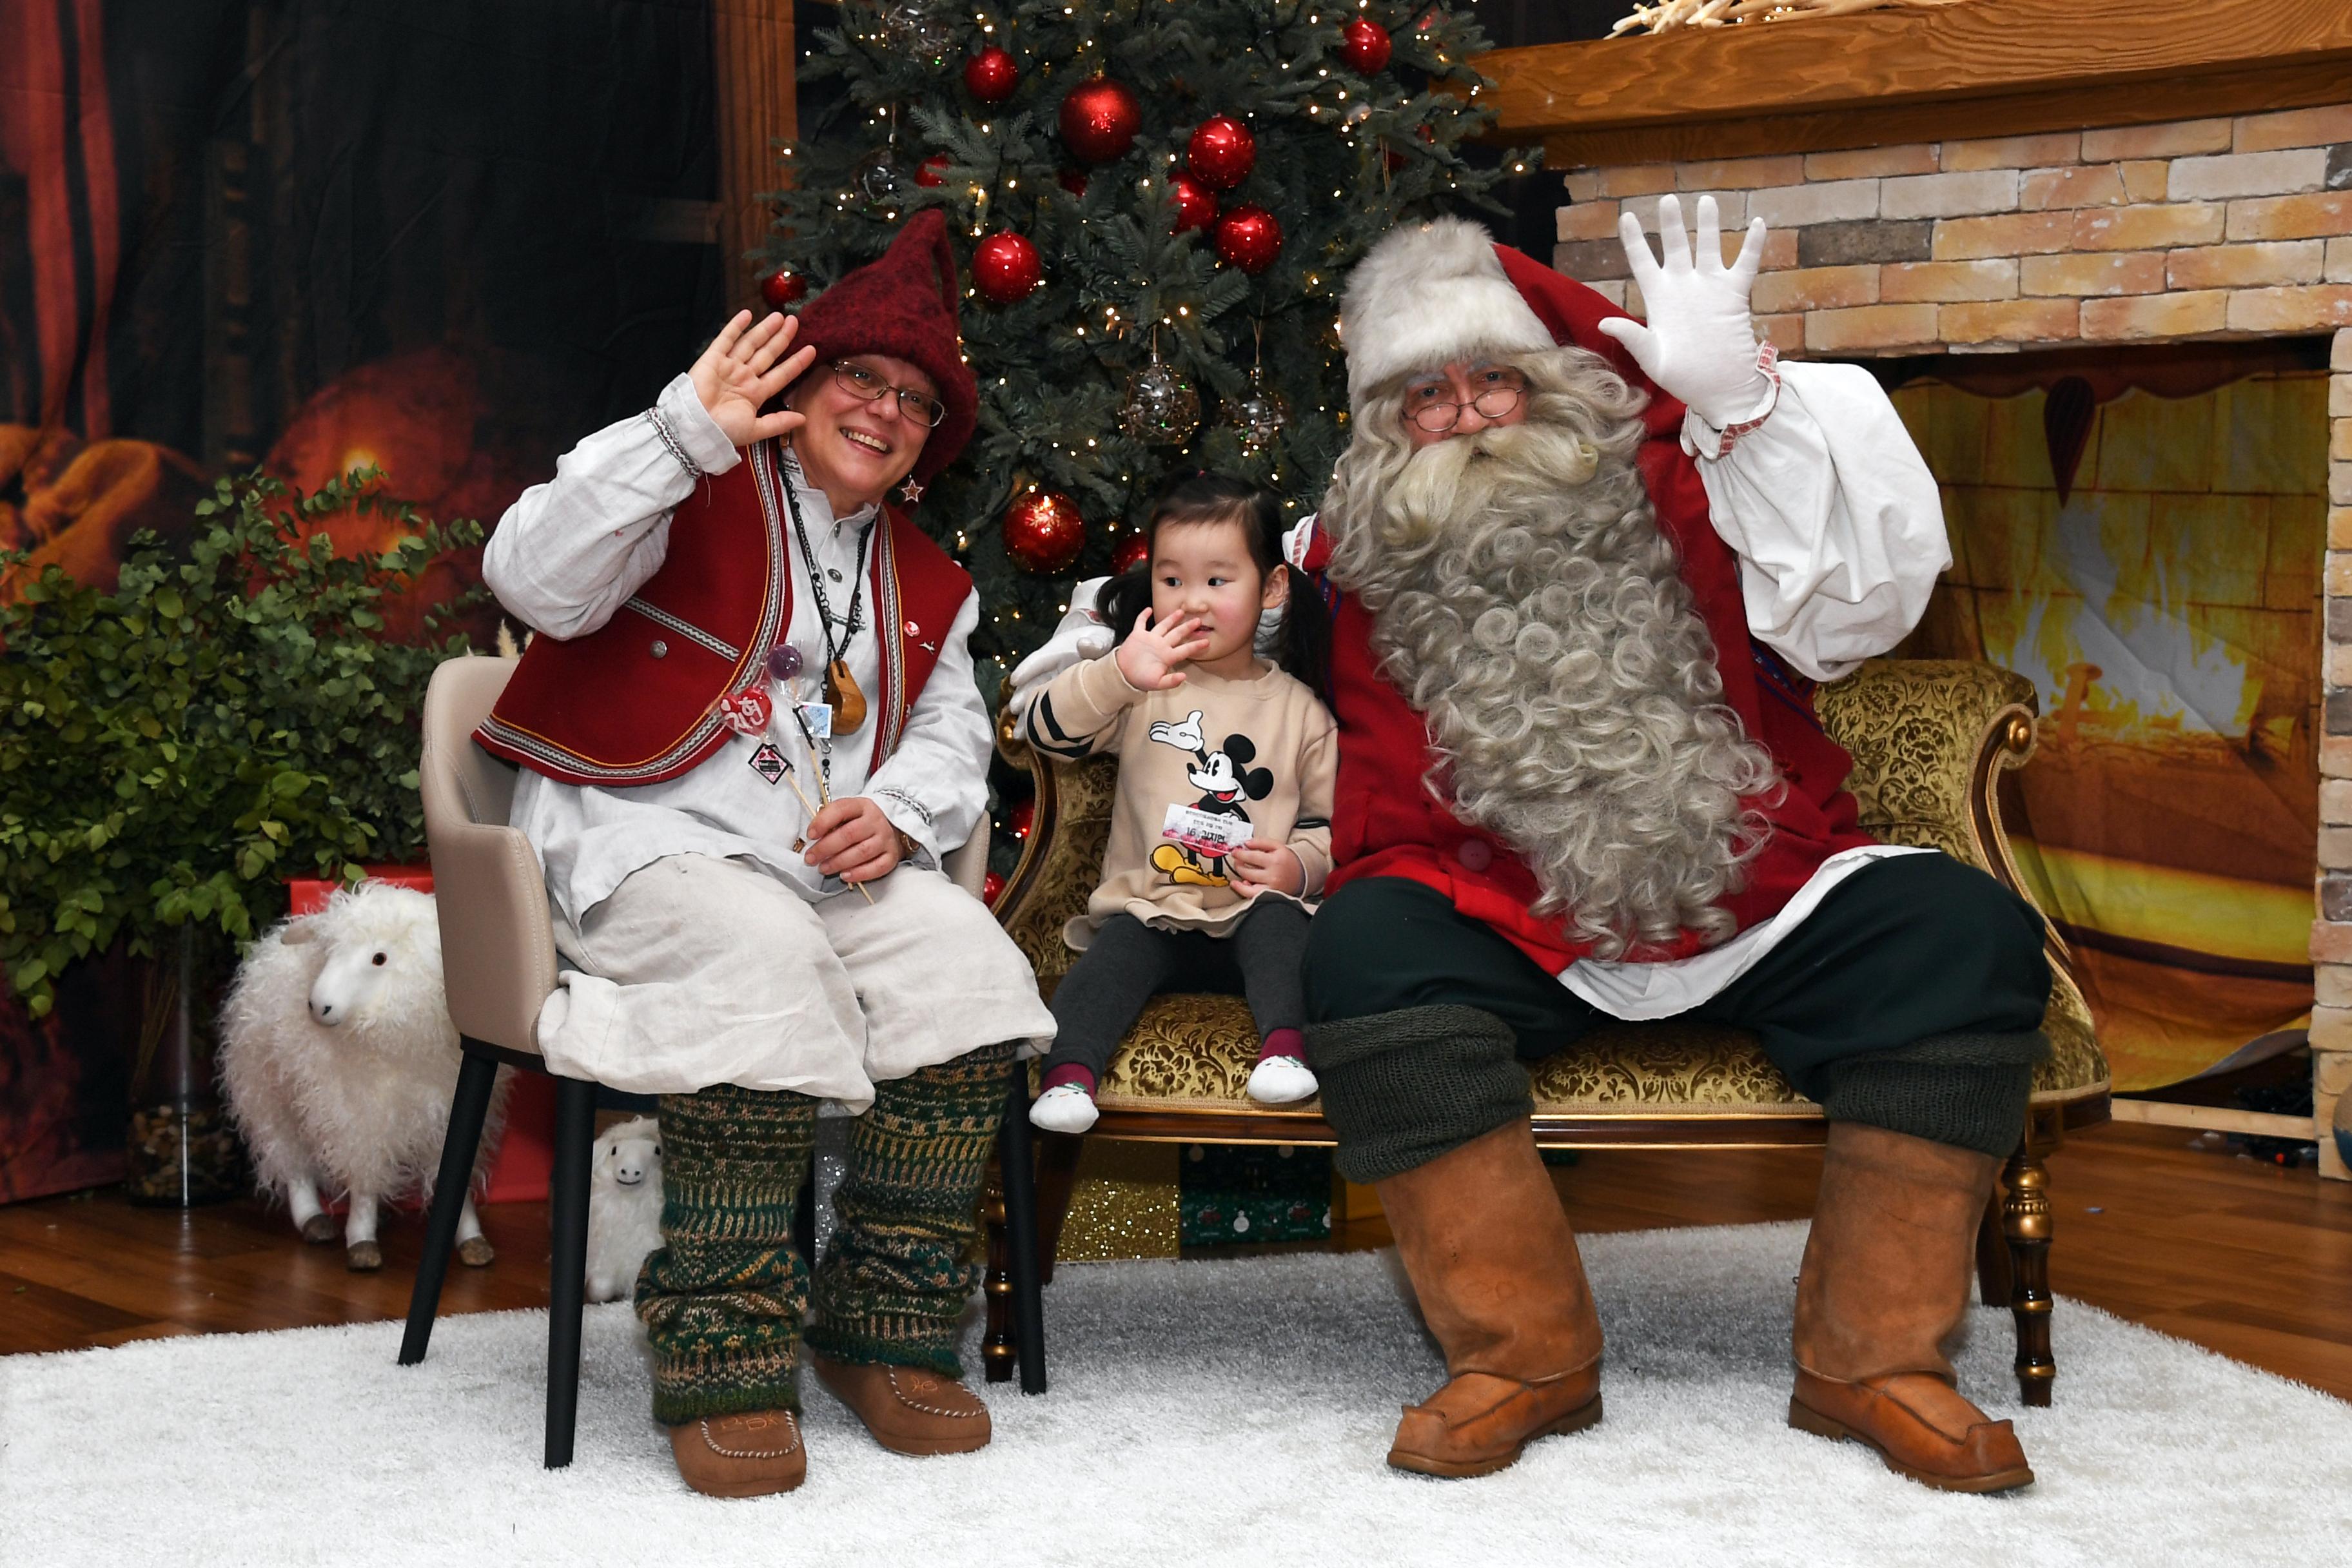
(750, 731)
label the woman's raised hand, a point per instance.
(745, 366)
(1151, 655)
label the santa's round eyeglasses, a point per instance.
(1497, 393)
(919, 407)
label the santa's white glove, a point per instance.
(1700, 343)
(1081, 636)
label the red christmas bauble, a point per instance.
(1364, 46)
(991, 75)
(1222, 152)
(1021, 817)
(782, 286)
(1005, 268)
(1131, 552)
(1248, 237)
(1099, 119)
(1044, 532)
(932, 171)
(992, 887)
(1196, 205)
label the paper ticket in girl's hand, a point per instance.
(1198, 829)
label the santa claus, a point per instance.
(1584, 573)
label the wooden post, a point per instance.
(752, 48)
(2025, 1222)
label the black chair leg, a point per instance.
(477, 1076)
(804, 1219)
(567, 1218)
(1018, 1165)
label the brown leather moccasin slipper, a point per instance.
(748, 1455)
(908, 1409)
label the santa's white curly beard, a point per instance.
(1525, 602)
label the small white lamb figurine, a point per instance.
(624, 1204)
(339, 1062)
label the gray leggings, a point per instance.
(1129, 962)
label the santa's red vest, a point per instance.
(636, 700)
(1386, 823)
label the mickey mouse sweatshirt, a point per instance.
(1204, 768)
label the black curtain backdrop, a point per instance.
(451, 235)
(311, 187)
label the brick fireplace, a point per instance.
(1946, 206)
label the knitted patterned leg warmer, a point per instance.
(723, 1297)
(905, 1254)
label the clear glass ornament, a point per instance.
(878, 179)
(1161, 407)
(1257, 416)
(916, 27)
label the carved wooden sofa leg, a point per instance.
(998, 1351)
(1015, 1336)
(2025, 1225)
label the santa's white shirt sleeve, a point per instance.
(1835, 518)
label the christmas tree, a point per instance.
(1159, 202)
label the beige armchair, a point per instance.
(1929, 740)
(499, 965)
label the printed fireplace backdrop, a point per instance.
(2144, 541)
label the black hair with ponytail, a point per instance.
(1305, 646)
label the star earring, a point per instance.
(911, 492)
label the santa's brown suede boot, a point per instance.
(752, 1453)
(1885, 1283)
(1491, 1257)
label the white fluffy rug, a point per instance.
(1230, 1412)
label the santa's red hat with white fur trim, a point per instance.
(1430, 294)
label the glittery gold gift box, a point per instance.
(1125, 1203)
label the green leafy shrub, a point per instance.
(170, 751)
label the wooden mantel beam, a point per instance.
(1987, 67)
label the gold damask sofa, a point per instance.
(1929, 740)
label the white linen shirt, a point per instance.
(1838, 528)
(568, 553)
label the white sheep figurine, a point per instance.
(338, 1062)
(624, 1205)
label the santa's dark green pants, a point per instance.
(1911, 998)
(723, 1299)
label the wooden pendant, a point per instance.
(848, 702)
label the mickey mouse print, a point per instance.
(1201, 835)
(1218, 779)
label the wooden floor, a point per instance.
(2244, 1259)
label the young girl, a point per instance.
(1221, 823)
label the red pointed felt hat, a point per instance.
(905, 304)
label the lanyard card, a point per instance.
(1210, 832)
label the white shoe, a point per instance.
(1282, 1081)
(1064, 1107)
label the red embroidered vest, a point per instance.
(636, 700)
(1386, 823)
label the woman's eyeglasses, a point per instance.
(919, 407)
(1497, 393)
